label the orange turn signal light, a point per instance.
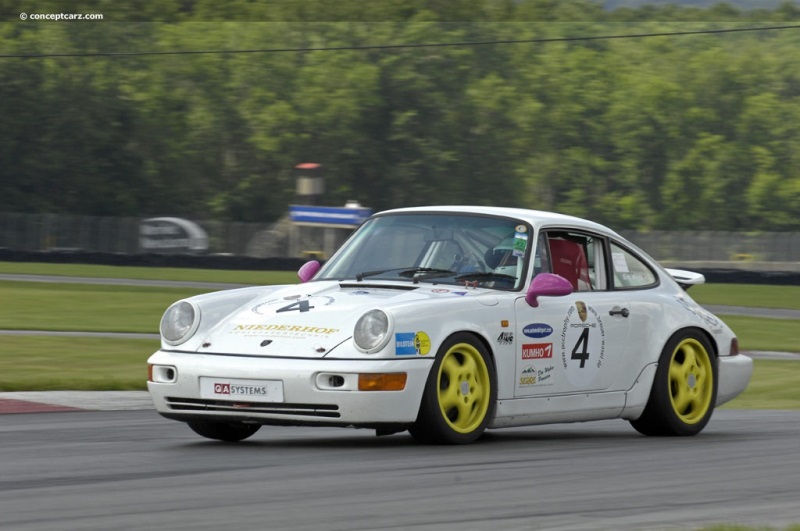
(392, 381)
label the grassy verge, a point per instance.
(773, 386)
(85, 307)
(29, 363)
(42, 363)
(752, 295)
(152, 273)
(99, 308)
(85, 364)
(760, 333)
(755, 295)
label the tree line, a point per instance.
(692, 131)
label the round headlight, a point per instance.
(372, 331)
(179, 322)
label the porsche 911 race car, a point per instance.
(447, 321)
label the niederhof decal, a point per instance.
(282, 330)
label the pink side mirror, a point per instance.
(547, 285)
(308, 270)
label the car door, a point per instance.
(575, 343)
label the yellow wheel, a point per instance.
(685, 388)
(691, 381)
(460, 393)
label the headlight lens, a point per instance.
(179, 322)
(372, 331)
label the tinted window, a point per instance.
(577, 257)
(629, 271)
(447, 248)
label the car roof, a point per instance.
(537, 218)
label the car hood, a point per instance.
(310, 320)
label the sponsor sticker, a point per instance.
(536, 376)
(709, 319)
(520, 244)
(422, 343)
(505, 338)
(543, 375)
(620, 264)
(412, 344)
(240, 389)
(284, 331)
(583, 344)
(528, 376)
(293, 303)
(537, 351)
(537, 330)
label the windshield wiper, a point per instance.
(407, 272)
(485, 275)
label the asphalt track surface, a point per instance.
(134, 470)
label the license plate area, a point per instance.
(241, 389)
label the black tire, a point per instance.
(224, 431)
(460, 393)
(684, 391)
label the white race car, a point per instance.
(447, 321)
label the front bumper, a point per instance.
(307, 398)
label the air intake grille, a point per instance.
(306, 410)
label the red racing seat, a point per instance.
(569, 261)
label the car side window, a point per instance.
(578, 257)
(541, 258)
(629, 271)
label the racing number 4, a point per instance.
(301, 306)
(583, 345)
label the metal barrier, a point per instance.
(55, 232)
(718, 246)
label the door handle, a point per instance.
(617, 311)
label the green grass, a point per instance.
(774, 386)
(30, 363)
(105, 308)
(761, 333)
(151, 273)
(43, 363)
(752, 295)
(85, 307)
(55, 363)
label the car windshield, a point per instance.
(457, 249)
